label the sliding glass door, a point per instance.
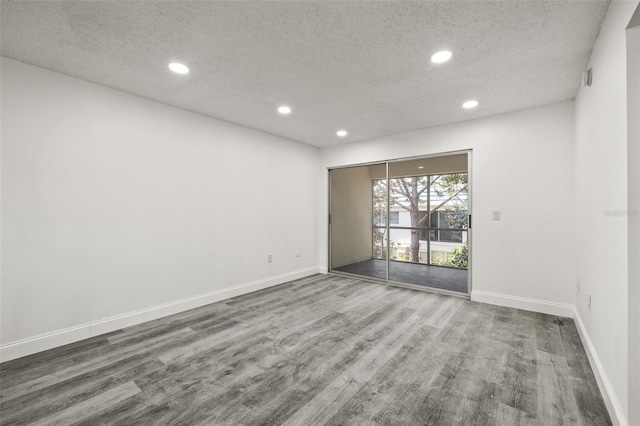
(418, 230)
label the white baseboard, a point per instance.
(542, 306)
(58, 338)
(610, 398)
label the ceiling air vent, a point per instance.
(587, 77)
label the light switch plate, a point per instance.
(495, 214)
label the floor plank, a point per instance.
(91, 406)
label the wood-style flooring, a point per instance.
(324, 350)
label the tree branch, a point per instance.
(448, 199)
(394, 202)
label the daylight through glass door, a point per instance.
(428, 219)
(403, 221)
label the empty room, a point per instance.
(320, 212)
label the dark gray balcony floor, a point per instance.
(412, 273)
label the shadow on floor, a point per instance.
(452, 279)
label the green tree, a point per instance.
(459, 257)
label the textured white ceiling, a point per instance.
(362, 66)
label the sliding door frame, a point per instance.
(388, 221)
(387, 163)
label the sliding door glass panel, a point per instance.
(410, 226)
(449, 220)
(358, 220)
(430, 198)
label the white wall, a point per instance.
(522, 164)
(602, 206)
(114, 204)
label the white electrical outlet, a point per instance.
(495, 214)
(269, 258)
(297, 254)
(578, 284)
(589, 302)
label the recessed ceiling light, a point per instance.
(440, 57)
(421, 167)
(341, 133)
(179, 68)
(470, 104)
(284, 110)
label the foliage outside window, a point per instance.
(436, 206)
